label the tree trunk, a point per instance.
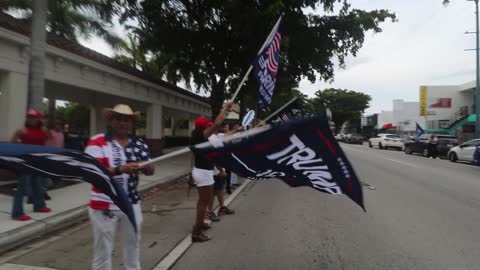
(217, 97)
(36, 82)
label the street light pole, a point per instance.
(477, 71)
(477, 88)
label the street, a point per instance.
(421, 214)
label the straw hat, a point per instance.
(120, 109)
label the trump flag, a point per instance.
(300, 152)
(64, 163)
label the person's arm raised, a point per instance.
(218, 120)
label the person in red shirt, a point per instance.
(33, 133)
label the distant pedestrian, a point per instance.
(56, 138)
(121, 153)
(73, 139)
(32, 133)
(432, 146)
(202, 172)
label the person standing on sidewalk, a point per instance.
(55, 139)
(202, 171)
(121, 153)
(33, 133)
(432, 146)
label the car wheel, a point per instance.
(380, 145)
(453, 157)
(370, 144)
(425, 152)
(408, 150)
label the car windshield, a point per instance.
(392, 137)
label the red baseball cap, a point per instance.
(201, 122)
(35, 113)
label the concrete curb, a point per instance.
(28, 232)
(177, 252)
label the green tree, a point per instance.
(75, 113)
(345, 104)
(74, 18)
(213, 42)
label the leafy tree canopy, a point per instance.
(73, 18)
(345, 104)
(212, 42)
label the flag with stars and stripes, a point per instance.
(266, 68)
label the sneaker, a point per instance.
(23, 218)
(43, 210)
(213, 217)
(225, 211)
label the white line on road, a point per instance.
(401, 162)
(178, 251)
(393, 160)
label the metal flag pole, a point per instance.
(276, 112)
(245, 77)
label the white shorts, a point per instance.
(202, 177)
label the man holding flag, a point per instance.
(121, 154)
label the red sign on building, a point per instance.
(440, 103)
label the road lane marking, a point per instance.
(401, 162)
(171, 258)
(393, 160)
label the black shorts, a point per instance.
(219, 182)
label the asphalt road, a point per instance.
(421, 214)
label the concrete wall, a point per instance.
(385, 117)
(406, 115)
(74, 78)
(460, 95)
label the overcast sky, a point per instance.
(425, 47)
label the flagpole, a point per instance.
(169, 155)
(245, 77)
(276, 112)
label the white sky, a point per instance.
(425, 47)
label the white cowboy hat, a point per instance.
(120, 109)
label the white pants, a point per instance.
(104, 228)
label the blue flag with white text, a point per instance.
(418, 132)
(301, 152)
(64, 163)
(266, 68)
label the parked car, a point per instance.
(354, 139)
(340, 137)
(463, 152)
(385, 141)
(444, 143)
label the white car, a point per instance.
(463, 152)
(384, 141)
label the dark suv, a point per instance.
(444, 143)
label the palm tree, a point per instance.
(36, 83)
(65, 18)
(73, 18)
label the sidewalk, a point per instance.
(69, 204)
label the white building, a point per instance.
(402, 118)
(449, 108)
(78, 74)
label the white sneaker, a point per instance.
(431, 157)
